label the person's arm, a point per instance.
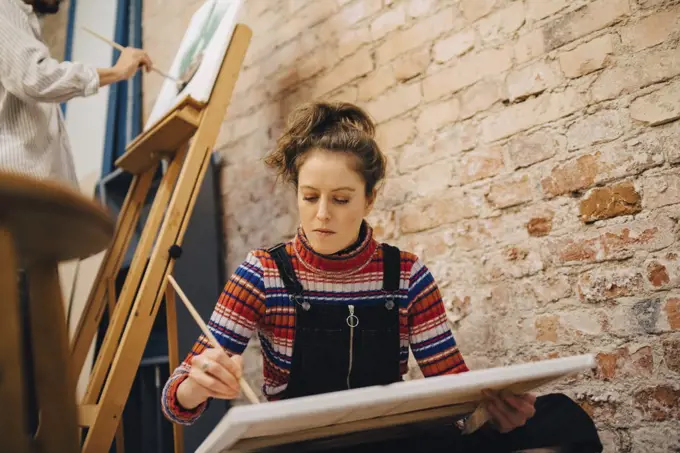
(233, 321)
(28, 72)
(430, 335)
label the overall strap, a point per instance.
(287, 273)
(391, 268)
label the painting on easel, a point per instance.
(199, 56)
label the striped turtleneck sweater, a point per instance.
(254, 299)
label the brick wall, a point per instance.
(533, 151)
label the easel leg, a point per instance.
(111, 293)
(134, 276)
(55, 385)
(173, 356)
(96, 303)
(12, 426)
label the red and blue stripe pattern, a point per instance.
(254, 299)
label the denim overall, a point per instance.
(339, 346)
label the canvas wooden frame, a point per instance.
(246, 428)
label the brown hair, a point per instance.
(333, 126)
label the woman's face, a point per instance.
(331, 199)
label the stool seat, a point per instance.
(51, 222)
(41, 224)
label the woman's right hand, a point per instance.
(213, 375)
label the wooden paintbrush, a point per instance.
(115, 45)
(244, 385)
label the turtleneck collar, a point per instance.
(341, 264)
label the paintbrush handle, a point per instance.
(115, 45)
(244, 385)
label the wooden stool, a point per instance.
(41, 224)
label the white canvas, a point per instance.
(299, 415)
(204, 43)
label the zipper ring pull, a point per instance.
(303, 303)
(352, 319)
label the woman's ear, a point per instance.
(370, 202)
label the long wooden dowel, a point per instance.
(115, 45)
(244, 385)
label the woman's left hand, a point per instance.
(508, 411)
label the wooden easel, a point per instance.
(134, 310)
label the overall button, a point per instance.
(389, 304)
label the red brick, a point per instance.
(538, 9)
(657, 274)
(622, 362)
(577, 250)
(476, 9)
(672, 309)
(587, 57)
(659, 107)
(602, 285)
(453, 46)
(607, 202)
(529, 46)
(387, 22)
(539, 226)
(651, 30)
(480, 164)
(663, 271)
(546, 328)
(428, 213)
(632, 73)
(395, 102)
(376, 83)
(658, 403)
(539, 146)
(532, 112)
(600, 127)
(501, 23)
(424, 31)
(411, 65)
(531, 79)
(352, 67)
(511, 193)
(480, 97)
(576, 174)
(357, 11)
(595, 16)
(661, 190)
(351, 39)
(469, 69)
(671, 354)
(395, 133)
(621, 241)
(436, 115)
(615, 242)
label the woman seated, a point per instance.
(337, 310)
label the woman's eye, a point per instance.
(341, 201)
(310, 198)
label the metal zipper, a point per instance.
(352, 322)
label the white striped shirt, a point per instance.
(33, 139)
